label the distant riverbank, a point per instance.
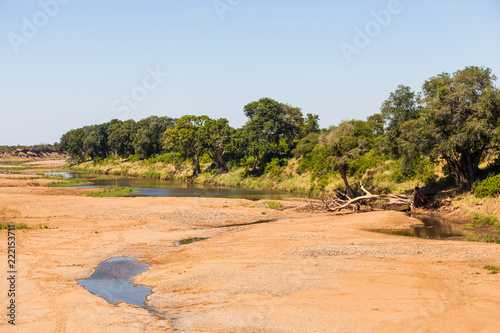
(286, 181)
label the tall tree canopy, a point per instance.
(72, 142)
(400, 107)
(186, 135)
(121, 137)
(460, 119)
(455, 119)
(148, 139)
(273, 128)
(96, 142)
(215, 137)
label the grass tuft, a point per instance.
(19, 226)
(484, 220)
(492, 269)
(112, 191)
(274, 204)
(74, 182)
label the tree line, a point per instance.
(454, 119)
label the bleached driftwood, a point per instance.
(332, 202)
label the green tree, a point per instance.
(461, 119)
(215, 136)
(121, 138)
(186, 136)
(401, 106)
(171, 142)
(148, 140)
(306, 145)
(377, 123)
(96, 142)
(271, 129)
(311, 124)
(72, 143)
(344, 144)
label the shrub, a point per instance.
(367, 161)
(315, 161)
(247, 161)
(492, 269)
(134, 158)
(421, 169)
(275, 167)
(306, 145)
(274, 204)
(97, 161)
(488, 187)
(165, 158)
(484, 220)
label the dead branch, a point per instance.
(331, 202)
(364, 189)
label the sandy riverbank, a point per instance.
(302, 273)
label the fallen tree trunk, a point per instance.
(332, 202)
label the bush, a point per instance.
(134, 158)
(165, 158)
(306, 145)
(488, 187)
(97, 161)
(315, 161)
(247, 161)
(275, 167)
(368, 161)
(484, 220)
(492, 269)
(274, 204)
(421, 169)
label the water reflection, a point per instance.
(112, 281)
(434, 228)
(165, 188)
(188, 241)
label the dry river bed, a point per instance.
(302, 273)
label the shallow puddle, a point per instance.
(248, 223)
(112, 281)
(188, 241)
(434, 228)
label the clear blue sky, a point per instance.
(91, 52)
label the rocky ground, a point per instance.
(302, 272)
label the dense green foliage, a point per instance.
(452, 123)
(457, 123)
(488, 187)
